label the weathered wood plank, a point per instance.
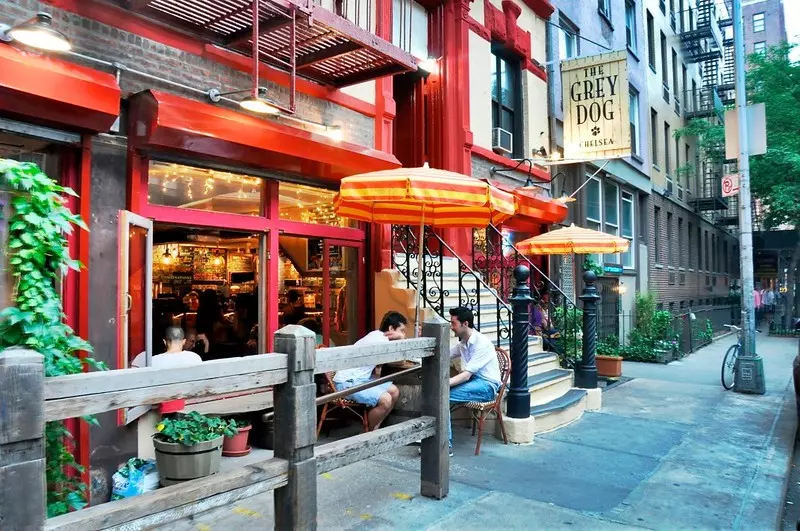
(229, 405)
(353, 449)
(22, 495)
(125, 379)
(89, 405)
(338, 358)
(171, 503)
(435, 465)
(21, 381)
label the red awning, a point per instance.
(57, 92)
(535, 207)
(163, 121)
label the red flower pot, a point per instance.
(236, 446)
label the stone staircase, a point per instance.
(554, 400)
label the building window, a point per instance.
(678, 176)
(689, 245)
(651, 42)
(663, 6)
(505, 98)
(760, 47)
(410, 27)
(758, 22)
(675, 82)
(699, 249)
(627, 231)
(707, 253)
(672, 20)
(688, 169)
(604, 6)
(670, 250)
(657, 232)
(664, 68)
(681, 254)
(654, 135)
(630, 26)
(633, 112)
(714, 253)
(568, 39)
(725, 263)
(667, 159)
(594, 215)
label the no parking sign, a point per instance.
(730, 185)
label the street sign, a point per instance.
(730, 185)
(756, 131)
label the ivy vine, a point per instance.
(38, 258)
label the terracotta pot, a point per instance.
(177, 463)
(609, 366)
(236, 446)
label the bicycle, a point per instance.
(731, 359)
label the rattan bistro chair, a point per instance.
(359, 410)
(479, 411)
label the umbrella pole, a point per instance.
(420, 263)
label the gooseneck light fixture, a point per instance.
(37, 32)
(256, 102)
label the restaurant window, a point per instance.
(177, 185)
(651, 42)
(633, 114)
(630, 26)
(568, 39)
(506, 97)
(410, 27)
(657, 234)
(627, 229)
(760, 47)
(308, 204)
(758, 22)
(654, 136)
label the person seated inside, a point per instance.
(175, 354)
(479, 379)
(381, 398)
(313, 324)
(294, 311)
(195, 344)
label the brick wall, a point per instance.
(695, 289)
(774, 23)
(101, 41)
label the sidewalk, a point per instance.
(670, 450)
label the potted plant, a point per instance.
(663, 351)
(236, 446)
(609, 359)
(189, 445)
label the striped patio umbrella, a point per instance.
(573, 239)
(423, 196)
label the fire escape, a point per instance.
(702, 42)
(332, 42)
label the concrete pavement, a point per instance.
(669, 450)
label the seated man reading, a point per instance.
(479, 379)
(175, 354)
(383, 397)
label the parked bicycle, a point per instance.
(731, 359)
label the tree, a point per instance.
(773, 79)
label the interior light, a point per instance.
(429, 65)
(334, 132)
(556, 155)
(258, 105)
(38, 32)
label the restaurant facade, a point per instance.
(194, 203)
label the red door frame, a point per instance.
(361, 277)
(269, 223)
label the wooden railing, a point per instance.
(28, 400)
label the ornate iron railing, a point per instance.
(448, 281)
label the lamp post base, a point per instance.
(749, 378)
(586, 377)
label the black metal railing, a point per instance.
(448, 281)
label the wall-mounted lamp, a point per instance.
(257, 103)
(37, 32)
(334, 132)
(622, 288)
(428, 66)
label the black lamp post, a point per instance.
(519, 397)
(586, 372)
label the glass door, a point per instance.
(344, 296)
(135, 296)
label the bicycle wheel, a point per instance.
(729, 367)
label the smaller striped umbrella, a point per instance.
(423, 196)
(573, 239)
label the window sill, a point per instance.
(659, 266)
(656, 167)
(671, 268)
(605, 18)
(633, 54)
(637, 158)
(653, 68)
(691, 270)
(681, 269)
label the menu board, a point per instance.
(209, 264)
(240, 263)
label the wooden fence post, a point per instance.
(435, 469)
(295, 434)
(22, 465)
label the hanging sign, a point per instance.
(730, 185)
(596, 119)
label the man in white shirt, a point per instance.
(479, 379)
(381, 398)
(173, 356)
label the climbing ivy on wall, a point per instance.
(38, 258)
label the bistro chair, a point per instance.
(359, 410)
(479, 411)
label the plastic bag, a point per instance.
(137, 476)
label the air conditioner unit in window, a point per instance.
(502, 141)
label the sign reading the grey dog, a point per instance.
(596, 119)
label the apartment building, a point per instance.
(613, 196)
(764, 24)
(694, 258)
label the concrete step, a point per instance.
(549, 385)
(541, 362)
(560, 411)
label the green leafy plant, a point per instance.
(654, 331)
(594, 267)
(38, 258)
(609, 346)
(569, 343)
(704, 332)
(191, 428)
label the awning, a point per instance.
(533, 206)
(165, 122)
(56, 92)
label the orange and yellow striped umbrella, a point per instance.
(412, 196)
(573, 239)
